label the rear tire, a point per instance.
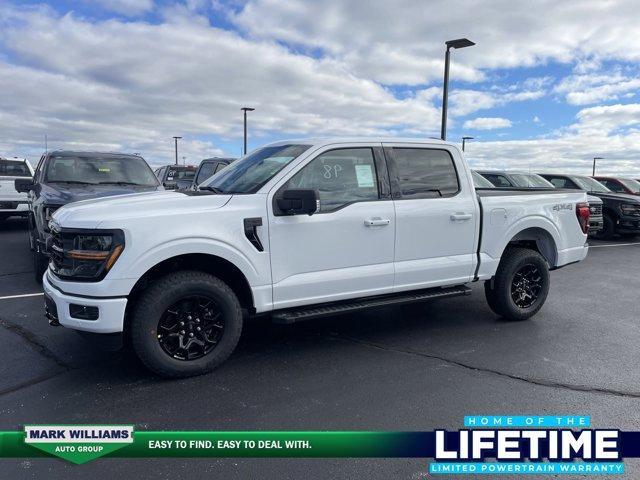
(164, 331)
(40, 265)
(520, 286)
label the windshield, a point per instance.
(250, 173)
(530, 180)
(632, 185)
(97, 169)
(12, 168)
(479, 181)
(590, 185)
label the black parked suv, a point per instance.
(621, 211)
(63, 177)
(208, 167)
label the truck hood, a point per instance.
(115, 212)
(63, 193)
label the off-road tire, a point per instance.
(160, 296)
(498, 290)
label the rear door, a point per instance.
(436, 217)
(345, 249)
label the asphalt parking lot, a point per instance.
(408, 368)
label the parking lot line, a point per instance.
(22, 296)
(615, 245)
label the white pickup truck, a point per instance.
(297, 230)
(12, 202)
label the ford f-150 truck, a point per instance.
(297, 230)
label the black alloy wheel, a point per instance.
(191, 327)
(526, 286)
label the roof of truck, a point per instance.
(319, 141)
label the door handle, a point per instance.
(376, 222)
(460, 217)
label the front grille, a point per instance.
(595, 209)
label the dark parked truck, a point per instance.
(301, 229)
(620, 185)
(208, 167)
(170, 175)
(621, 211)
(63, 177)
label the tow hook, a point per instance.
(53, 321)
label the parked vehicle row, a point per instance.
(300, 229)
(621, 211)
(512, 179)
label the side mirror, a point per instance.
(297, 202)
(23, 185)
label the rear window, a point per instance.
(425, 173)
(181, 173)
(11, 168)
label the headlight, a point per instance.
(630, 209)
(86, 255)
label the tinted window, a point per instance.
(219, 167)
(613, 185)
(561, 182)
(341, 177)
(181, 173)
(206, 170)
(529, 180)
(96, 169)
(14, 169)
(479, 181)
(425, 173)
(497, 180)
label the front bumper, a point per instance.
(628, 224)
(111, 311)
(14, 208)
(596, 223)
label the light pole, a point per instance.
(175, 139)
(594, 165)
(464, 140)
(458, 43)
(245, 110)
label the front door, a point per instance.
(344, 250)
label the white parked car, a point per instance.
(13, 203)
(297, 230)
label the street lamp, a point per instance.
(464, 140)
(594, 165)
(245, 110)
(459, 43)
(175, 139)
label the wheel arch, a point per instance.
(203, 262)
(537, 239)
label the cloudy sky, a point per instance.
(548, 86)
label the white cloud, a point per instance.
(403, 41)
(487, 123)
(586, 89)
(126, 7)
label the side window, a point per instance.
(36, 174)
(498, 180)
(425, 173)
(560, 182)
(341, 177)
(613, 185)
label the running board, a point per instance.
(299, 314)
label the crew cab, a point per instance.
(533, 180)
(207, 168)
(12, 202)
(65, 176)
(621, 211)
(170, 175)
(300, 229)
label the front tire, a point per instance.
(520, 286)
(185, 324)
